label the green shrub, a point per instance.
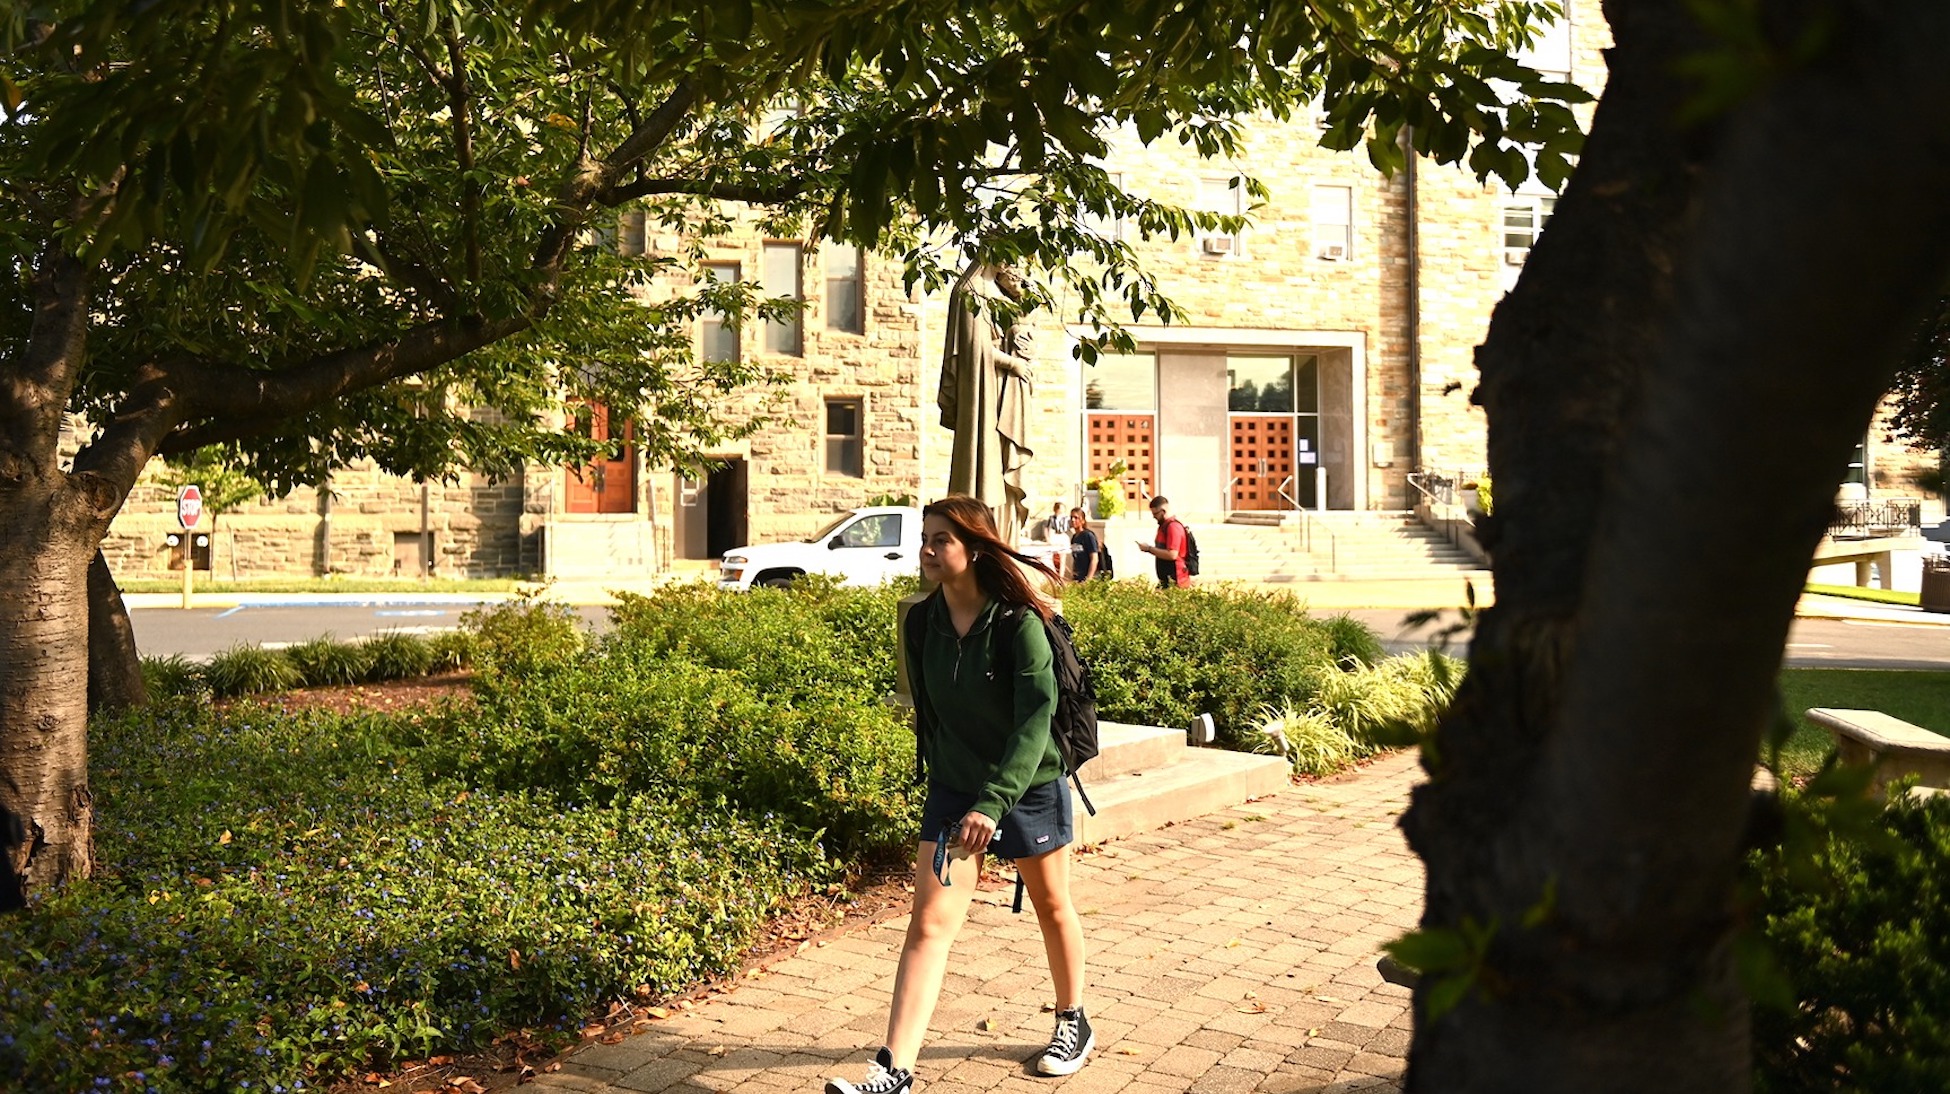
(286, 899)
(1860, 923)
(173, 677)
(398, 657)
(523, 636)
(247, 670)
(451, 651)
(814, 639)
(327, 662)
(636, 717)
(1164, 657)
(1350, 640)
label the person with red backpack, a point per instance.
(985, 680)
(1175, 549)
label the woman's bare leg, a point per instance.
(1047, 878)
(938, 914)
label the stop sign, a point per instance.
(189, 506)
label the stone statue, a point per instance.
(986, 382)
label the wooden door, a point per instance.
(1262, 460)
(603, 485)
(1127, 437)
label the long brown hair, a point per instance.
(997, 576)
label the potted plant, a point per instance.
(1103, 497)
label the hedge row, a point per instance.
(284, 899)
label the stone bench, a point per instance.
(1895, 747)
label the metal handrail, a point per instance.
(1307, 521)
(1235, 482)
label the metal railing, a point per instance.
(1876, 517)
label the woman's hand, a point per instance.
(976, 832)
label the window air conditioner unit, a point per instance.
(1217, 245)
(1334, 252)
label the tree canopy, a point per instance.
(284, 210)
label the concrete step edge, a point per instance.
(1204, 781)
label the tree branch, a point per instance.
(35, 394)
(579, 190)
(719, 191)
(412, 274)
(239, 399)
(460, 101)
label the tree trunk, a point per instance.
(114, 666)
(46, 810)
(1672, 392)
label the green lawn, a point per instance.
(1921, 697)
(325, 585)
(1858, 592)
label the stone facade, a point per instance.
(1391, 307)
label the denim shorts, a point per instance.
(1041, 822)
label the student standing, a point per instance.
(1084, 547)
(983, 691)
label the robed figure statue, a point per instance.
(984, 397)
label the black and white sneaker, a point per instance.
(1069, 1045)
(882, 1078)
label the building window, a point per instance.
(1523, 221)
(845, 443)
(845, 290)
(1333, 209)
(720, 330)
(1122, 382)
(1550, 54)
(782, 273)
(1226, 196)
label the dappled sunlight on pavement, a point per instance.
(1235, 952)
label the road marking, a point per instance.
(232, 611)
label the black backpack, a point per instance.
(1074, 721)
(1106, 569)
(1191, 549)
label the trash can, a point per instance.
(1935, 594)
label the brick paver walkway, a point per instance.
(1233, 953)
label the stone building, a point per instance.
(1319, 357)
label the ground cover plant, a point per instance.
(1917, 696)
(1854, 910)
(288, 898)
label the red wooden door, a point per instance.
(603, 485)
(1127, 438)
(1262, 459)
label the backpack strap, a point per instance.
(914, 639)
(1015, 907)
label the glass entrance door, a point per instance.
(1273, 405)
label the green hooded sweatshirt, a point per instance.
(980, 735)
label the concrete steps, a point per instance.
(1146, 777)
(1343, 546)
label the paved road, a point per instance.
(201, 632)
(204, 631)
(1812, 643)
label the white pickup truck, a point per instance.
(863, 547)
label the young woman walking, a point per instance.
(983, 695)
